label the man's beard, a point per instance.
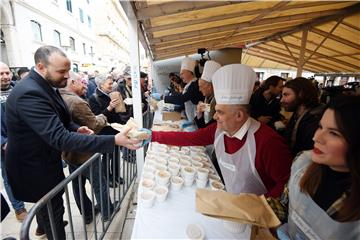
(292, 106)
(56, 84)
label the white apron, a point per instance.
(190, 108)
(306, 219)
(238, 169)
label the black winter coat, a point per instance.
(39, 129)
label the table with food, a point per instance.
(167, 193)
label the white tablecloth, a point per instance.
(169, 219)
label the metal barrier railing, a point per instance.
(118, 167)
(148, 117)
(121, 163)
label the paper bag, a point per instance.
(259, 233)
(171, 116)
(243, 208)
(121, 106)
(153, 104)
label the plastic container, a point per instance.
(148, 198)
(148, 175)
(147, 184)
(217, 186)
(235, 227)
(161, 193)
(195, 232)
(202, 173)
(162, 177)
(201, 183)
(176, 183)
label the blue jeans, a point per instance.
(100, 190)
(16, 204)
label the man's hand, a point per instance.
(85, 130)
(200, 108)
(121, 139)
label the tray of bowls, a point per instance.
(172, 168)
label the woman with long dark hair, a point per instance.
(324, 187)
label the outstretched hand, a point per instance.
(85, 130)
(121, 139)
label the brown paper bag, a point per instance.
(153, 104)
(259, 233)
(243, 208)
(121, 106)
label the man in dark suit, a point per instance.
(191, 94)
(40, 128)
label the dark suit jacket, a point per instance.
(192, 94)
(261, 107)
(39, 129)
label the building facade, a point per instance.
(93, 33)
(111, 27)
(264, 73)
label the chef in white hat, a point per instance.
(233, 86)
(206, 110)
(191, 94)
(252, 157)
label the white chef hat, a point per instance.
(210, 68)
(188, 64)
(233, 84)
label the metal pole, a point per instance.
(135, 81)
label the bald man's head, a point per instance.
(75, 84)
(5, 76)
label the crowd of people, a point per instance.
(307, 166)
(46, 126)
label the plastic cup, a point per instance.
(235, 227)
(161, 193)
(203, 173)
(217, 186)
(177, 183)
(162, 177)
(148, 198)
(148, 184)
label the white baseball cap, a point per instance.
(210, 68)
(233, 84)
